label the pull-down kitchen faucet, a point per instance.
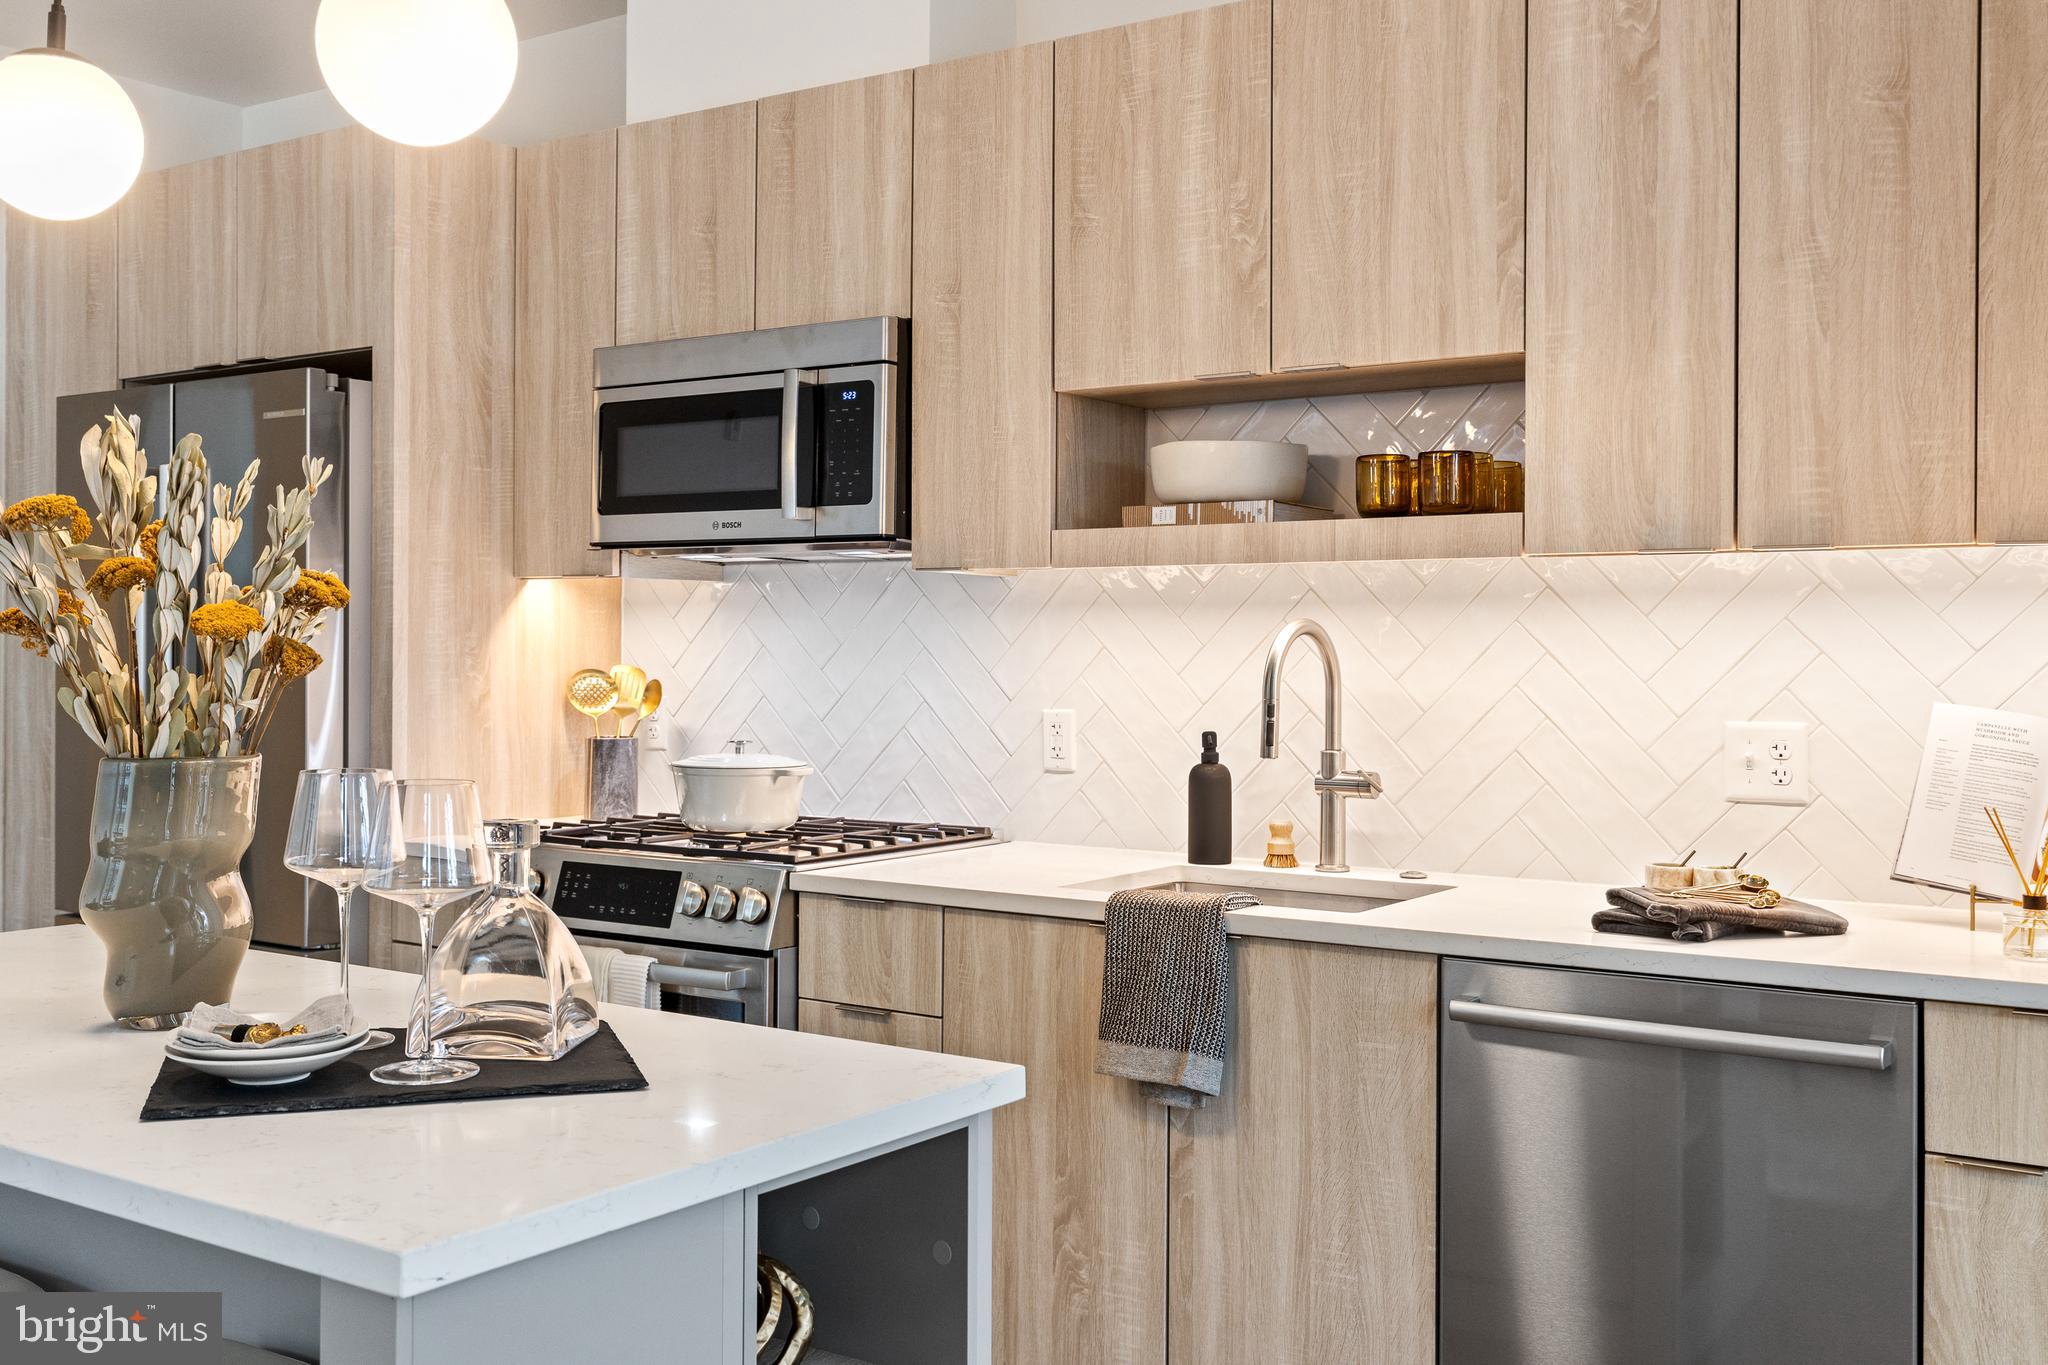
(1334, 784)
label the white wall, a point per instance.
(699, 54)
(572, 81)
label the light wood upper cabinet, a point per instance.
(1162, 167)
(313, 244)
(1631, 347)
(1397, 180)
(2012, 289)
(1080, 1162)
(981, 294)
(686, 225)
(1304, 1197)
(177, 304)
(564, 286)
(1986, 1232)
(834, 193)
(1857, 305)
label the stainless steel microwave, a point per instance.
(791, 440)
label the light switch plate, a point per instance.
(1060, 741)
(1768, 762)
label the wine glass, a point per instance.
(332, 813)
(427, 850)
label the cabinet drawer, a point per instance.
(893, 1027)
(1987, 1068)
(883, 954)
(1985, 1229)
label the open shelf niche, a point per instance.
(1103, 435)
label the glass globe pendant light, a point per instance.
(421, 72)
(70, 139)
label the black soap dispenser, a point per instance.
(1209, 806)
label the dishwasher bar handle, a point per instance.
(702, 978)
(1863, 1056)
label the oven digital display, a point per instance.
(617, 895)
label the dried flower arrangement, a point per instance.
(159, 653)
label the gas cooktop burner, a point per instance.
(812, 839)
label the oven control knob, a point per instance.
(753, 906)
(719, 907)
(691, 902)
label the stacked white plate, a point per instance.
(280, 1063)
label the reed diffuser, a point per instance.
(2026, 924)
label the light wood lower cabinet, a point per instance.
(1986, 1239)
(1987, 1069)
(1304, 1197)
(1080, 1162)
(878, 954)
(893, 1027)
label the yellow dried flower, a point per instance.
(81, 527)
(149, 535)
(118, 575)
(226, 620)
(69, 604)
(291, 658)
(47, 511)
(316, 589)
(16, 622)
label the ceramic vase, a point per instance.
(164, 888)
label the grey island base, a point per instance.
(618, 1227)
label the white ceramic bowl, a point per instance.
(244, 1068)
(1228, 471)
(739, 792)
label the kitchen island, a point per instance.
(611, 1226)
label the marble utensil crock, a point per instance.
(164, 888)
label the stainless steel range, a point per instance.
(714, 910)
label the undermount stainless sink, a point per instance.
(1369, 895)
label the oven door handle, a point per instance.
(702, 978)
(792, 394)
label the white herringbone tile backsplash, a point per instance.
(1545, 717)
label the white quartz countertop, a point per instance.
(403, 1199)
(1921, 952)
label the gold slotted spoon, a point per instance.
(650, 702)
(632, 686)
(593, 692)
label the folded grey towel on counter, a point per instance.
(1166, 992)
(1638, 910)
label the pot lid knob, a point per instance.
(738, 746)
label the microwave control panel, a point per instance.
(846, 444)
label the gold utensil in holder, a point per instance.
(1386, 485)
(593, 692)
(1507, 486)
(632, 685)
(1443, 481)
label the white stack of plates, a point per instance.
(280, 1063)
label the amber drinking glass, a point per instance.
(1443, 481)
(1507, 485)
(1386, 485)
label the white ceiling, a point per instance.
(236, 51)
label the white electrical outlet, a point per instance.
(1768, 762)
(650, 733)
(1060, 741)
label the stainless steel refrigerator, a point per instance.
(274, 417)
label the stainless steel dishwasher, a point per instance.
(1641, 1171)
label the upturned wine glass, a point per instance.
(332, 814)
(427, 850)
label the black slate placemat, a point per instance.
(599, 1063)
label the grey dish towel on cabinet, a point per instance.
(1166, 992)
